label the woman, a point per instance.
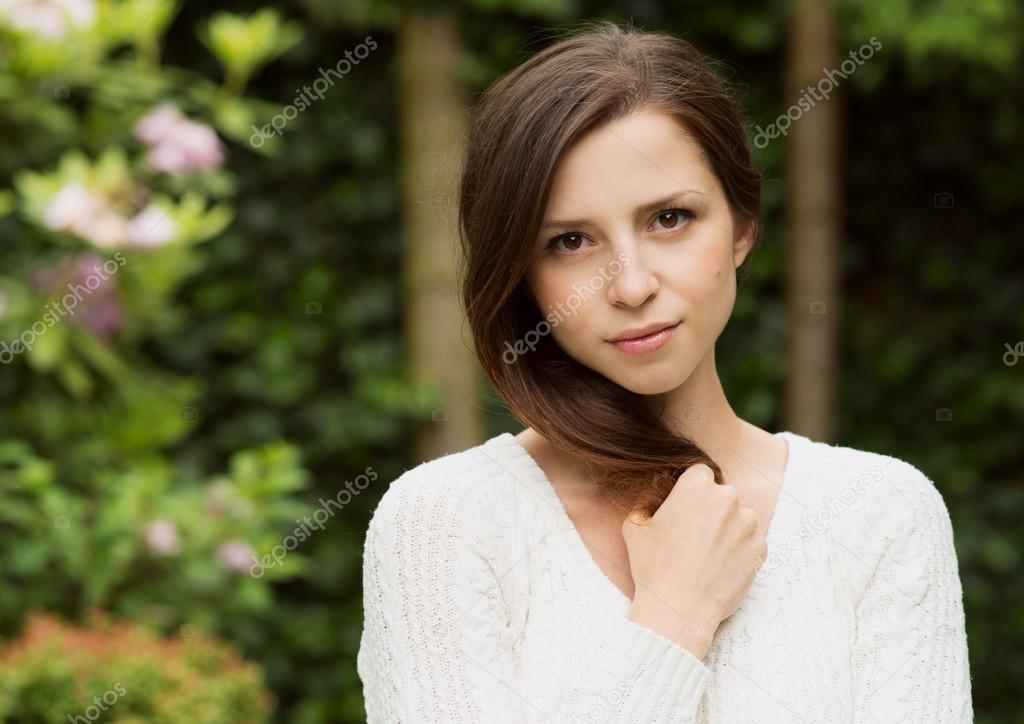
(639, 553)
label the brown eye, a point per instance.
(573, 242)
(678, 216)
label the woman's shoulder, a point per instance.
(445, 536)
(471, 490)
(871, 495)
(841, 467)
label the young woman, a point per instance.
(639, 553)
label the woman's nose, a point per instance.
(635, 282)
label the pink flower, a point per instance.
(162, 537)
(107, 230)
(71, 208)
(158, 124)
(151, 227)
(79, 211)
(50, 19)
(178, 144)
(86, 293)
(236, 555)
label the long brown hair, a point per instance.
(519, 129)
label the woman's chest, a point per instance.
(600, 529)
(783, 656)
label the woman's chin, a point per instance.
(647, 380)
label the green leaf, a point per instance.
(244, 44)
(45, 350)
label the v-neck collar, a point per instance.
(785, 512)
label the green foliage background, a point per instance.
(274, 352)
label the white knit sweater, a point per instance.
(482, 604)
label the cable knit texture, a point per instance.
(483, 604)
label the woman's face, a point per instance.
(647, 241)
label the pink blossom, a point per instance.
(159, 123)
(71, 208)
(81, 212)
(107, 230)
(86, 293)
(50, 19)
(151, 227)
(178, 144)
(162, 537)
(235, 555)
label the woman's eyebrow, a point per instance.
(676, 196)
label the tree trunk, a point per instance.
(813, 209)
(432, 104)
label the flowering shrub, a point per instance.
(173, 306)
(145, 541)
(141, 170)
(120, 179)
(119, 672)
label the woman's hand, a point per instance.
(693, 561)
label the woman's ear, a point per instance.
(743, 243)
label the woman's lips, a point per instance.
(648, 343)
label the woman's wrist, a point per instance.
(690, 630)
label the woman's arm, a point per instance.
(436, 645)
(909, 658)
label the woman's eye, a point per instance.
(674, 218)
(573, 242)
(671, 220)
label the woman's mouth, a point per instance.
(647, 343)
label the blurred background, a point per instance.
(228, 316)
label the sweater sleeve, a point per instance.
(437, 645)
(909, 659)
